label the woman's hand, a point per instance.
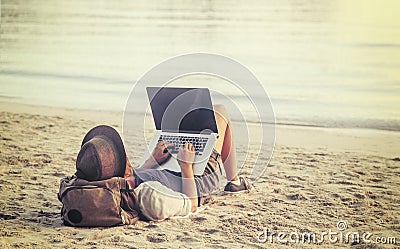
(161, 152)
(186, 156)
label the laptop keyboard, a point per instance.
(199, 143)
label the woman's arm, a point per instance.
(149, 163)
(157, 157)
(185, 159)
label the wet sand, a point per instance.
(316, 178)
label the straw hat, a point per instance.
(102, 155)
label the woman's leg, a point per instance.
(225, 145)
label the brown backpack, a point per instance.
(97, 203)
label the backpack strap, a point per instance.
(129, 200)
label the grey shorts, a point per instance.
(206, 183)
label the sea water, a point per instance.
(323, 63)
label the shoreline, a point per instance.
(369, 124)
(361, 140)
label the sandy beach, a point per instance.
(316, 178)
(329, 70)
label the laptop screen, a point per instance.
(187, 110)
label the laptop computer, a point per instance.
(183, 115)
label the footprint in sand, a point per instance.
(7, 216)
(58, 174)
(359, 196)
(296, 196)
(393, 163)
(209, 231)
(45, 158)
(151, 226)
(187, 238)
(294, 178)
(199, 219)
(157, 237)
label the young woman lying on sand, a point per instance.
(163, 193)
